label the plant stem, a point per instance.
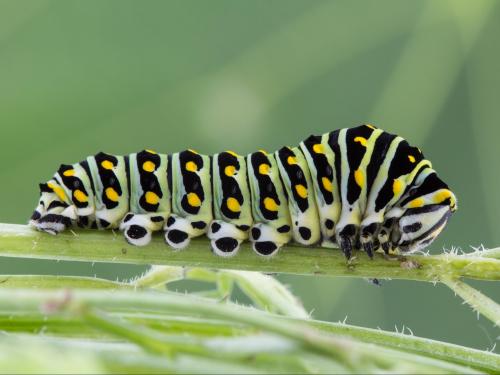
(57, 282)
(159, 275)
(265, 291)
(228, 348)
(42, 354)
(475, 299)
(99, 246)
(352, 354)
(488, 253)
(481, 360)
(131, 332)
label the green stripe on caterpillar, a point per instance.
(356, 188)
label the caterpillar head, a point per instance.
(427, 209)
(52, 214)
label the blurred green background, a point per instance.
(78, 77)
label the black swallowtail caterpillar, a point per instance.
(357, 188)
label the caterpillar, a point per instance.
(354, 188)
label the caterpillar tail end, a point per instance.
(52, 223)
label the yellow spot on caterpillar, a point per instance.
(264, 168)
(151, 197)
(291, 160)
(416, 203)
(411, 158)
(80, 196)
(148, 166)
(327, 184)
(69, 173)
(397, 186)
(192, 151)
(151, 151)
(371, 126)
(270, 204)
(193, 200)
(233, 204)
(442, 196)
(359, 177)
(232, 153)
(106, 164)
(111, 194)
(191, 166)
(318, 148)
(301, 190)
(230, 170)
(58, 190)
(263, 151)
(361, 140)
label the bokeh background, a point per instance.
(78, 77)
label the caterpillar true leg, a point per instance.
(385, 235)
(368, 237)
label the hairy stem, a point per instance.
(352, 354)
(475, 299)
(480, 360)
(97, 246)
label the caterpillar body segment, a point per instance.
(357, 188)
(191, 188)
(294, 172)
(324, 182)
(272, 220)
(150, 198)
(232, 207)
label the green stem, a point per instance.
(488, 253)
(475, 299)
(71, 327)
(228, 348)
(41, 354)
(352, 354)
(266, 292)
(478, 359)
(21, 241)
(158, 276)
(57, 282)
(481, 360)
(141, 336)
